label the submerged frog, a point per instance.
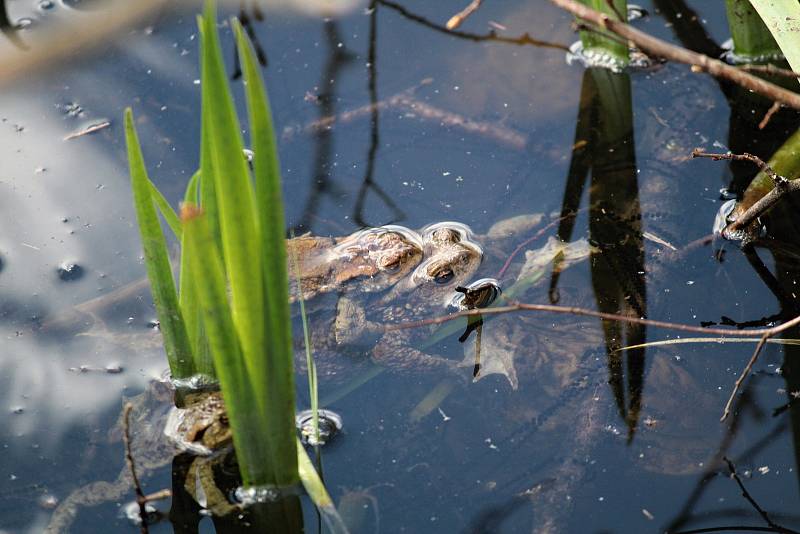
(368, 260)
(452, 256)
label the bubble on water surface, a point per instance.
(24, 23)
(69, 271)
(330, 423)
(46, 5)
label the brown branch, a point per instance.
(746, 371)
(523, 39)
(459, 18)
(782, 187)
(514, 306)
(141, 500)
(773, 109)
(699, 62)
(770, 70)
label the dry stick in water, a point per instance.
(459, 18)
(141, 500)
(766, 333)
(782, 187)
(699, 62)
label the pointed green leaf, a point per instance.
(782, 18)
(234, 193)
(280, 386)
(206, 271)
(156, 258)
(166, 210)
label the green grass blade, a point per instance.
(602, 41)
(205, 269)
(156, 257)
(166, 210)
(317, 492)
(781, 18)
(751, 38)
(208, 198)
(190, 306)
(281, 388)
(233, 190)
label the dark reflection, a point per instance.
(491, 518)
(247, 25)
(10, 29)
(282, 516)
(603, 154)
(322, 184)
(374, 139)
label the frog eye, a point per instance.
(392, 267)
(443, 276)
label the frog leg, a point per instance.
(395, 352)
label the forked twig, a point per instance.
(782, 187)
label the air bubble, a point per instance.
(69, 271)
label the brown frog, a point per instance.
(369, 260)
(452, 257)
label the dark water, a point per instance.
(592, 440)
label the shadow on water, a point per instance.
(603, 155)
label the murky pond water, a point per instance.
(563, 432)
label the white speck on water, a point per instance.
(690, 283)
(196, 82)
(446, 173)
(764, 469)
(445, 417)
(647, 514)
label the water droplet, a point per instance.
(46, 5)
(17, 410)
(114, 369)
(69, 271)
(48, 502)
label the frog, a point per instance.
(451, 257)
(368, 260)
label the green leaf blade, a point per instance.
(159, 271)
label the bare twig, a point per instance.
(459, 18)
(746, 371)
(769, 171)
(699, 62)
(770, 70)
(521, 40)
(141, 500)
(782, 187)
(514, 306)
(773, 109)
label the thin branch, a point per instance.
(523, 39)
(782, 187)
(769, 171)
(528, 241)
(773, 109)
(746, 371)
(141, 500)
(514, 306)
(699, 62)
(770, 70)
(459, 18)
